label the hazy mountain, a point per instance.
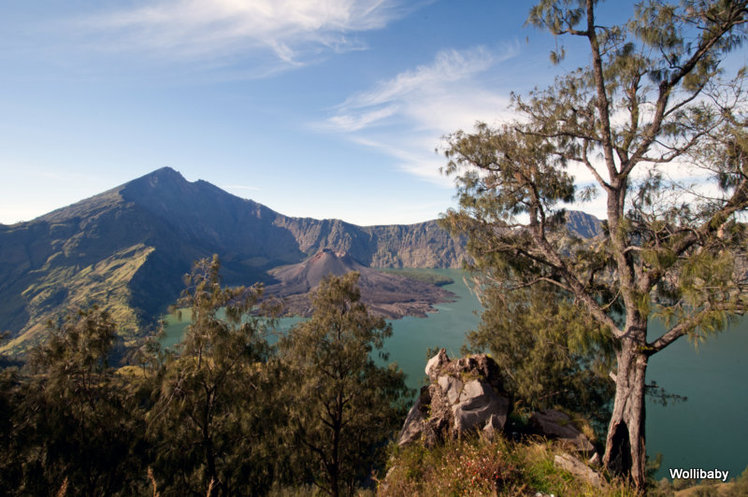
(129, 248)
(583, 224)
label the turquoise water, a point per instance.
(412, 337)
(707, 431)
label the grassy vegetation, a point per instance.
(424, 276)
(481, 467)
(312, 491)
(706, 488)
(478, 467)
(105, 282)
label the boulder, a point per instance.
(479, 404)
(558, 426)
(452, 387)
(413, 426)
(493, 426)
(464, 395)
(578, 468)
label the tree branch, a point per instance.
(682, 328)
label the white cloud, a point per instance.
(446, 85)
(289, 29)
(357, 121)
(449, 66)
(406, 116)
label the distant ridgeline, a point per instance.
(129, 248)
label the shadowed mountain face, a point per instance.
(129, 248)
(386, 294)
(583, 225)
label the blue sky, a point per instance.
(319, 108)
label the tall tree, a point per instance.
(342, 406)
(211, 420)
(75, 424)
(650, 106)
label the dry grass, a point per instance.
(479, 467)
(63, 488)
(153, 483)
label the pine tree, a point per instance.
(342, 406)
(652, 101)
(212, 420)
(74, 419)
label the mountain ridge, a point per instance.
(129, 247)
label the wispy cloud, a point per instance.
(288, 29)
(406, 116)
(415, 92)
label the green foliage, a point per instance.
(341, 406)
(651, 100)
(212, 420)
(549, 354)
(74, 420)
(221, 415)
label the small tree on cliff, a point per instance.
(651, 103)
(342, 406)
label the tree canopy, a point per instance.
(213, 418)
(660, 131)
(341, 404)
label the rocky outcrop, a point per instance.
(558, 426)
(465, 395)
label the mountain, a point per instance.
(582, 224)
(128, 248)
(387, 294)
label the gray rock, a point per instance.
(493, 426)
(452, 387)
(478, 403)
(435, 364)
(578, 468)
(413, 426)
(464, 395)
(557, 425)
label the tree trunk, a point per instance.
(624, 447)
(335, 466)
